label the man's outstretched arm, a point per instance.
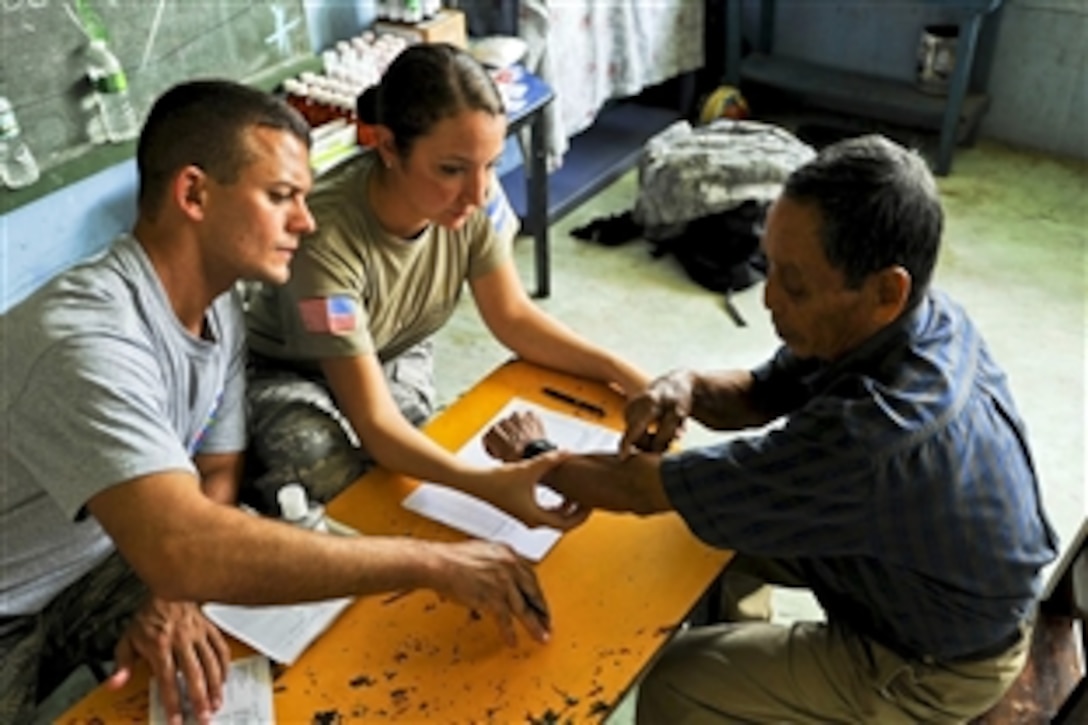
(605, 481)
(599, 480)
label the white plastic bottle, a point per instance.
(111, 92)
(296, 508)
(18, 168)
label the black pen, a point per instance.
(576, 402)
(538, 609)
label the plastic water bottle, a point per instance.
(296, 508)
(413, 11)
(17, 165)
(111, 92)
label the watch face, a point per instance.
(535, 448)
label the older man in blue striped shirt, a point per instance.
(897, 483)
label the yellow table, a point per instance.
(618, 587)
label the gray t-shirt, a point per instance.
(101, 384)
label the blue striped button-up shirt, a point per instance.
(899, 480)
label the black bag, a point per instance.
(721, 251)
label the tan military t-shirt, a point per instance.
(355, 289)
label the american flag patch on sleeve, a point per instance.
(333, 315)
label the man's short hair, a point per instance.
(202, 123)
(879, 207)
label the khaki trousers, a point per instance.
(812, 672)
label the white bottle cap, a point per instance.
(292, 500)
(9, 126)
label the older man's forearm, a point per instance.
(605, 481)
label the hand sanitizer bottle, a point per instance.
(111, 92)
(17, 165)
(296, 508)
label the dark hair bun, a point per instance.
(366, 105)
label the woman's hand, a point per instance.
(631, 382)
(513, 487)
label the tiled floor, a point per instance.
(1014, 254)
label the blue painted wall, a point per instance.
(48, 235)
(1037, 79)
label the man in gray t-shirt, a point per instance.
(130, 367)
(122, 428)
(85, 406)
(97, 344)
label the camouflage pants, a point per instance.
(81, 625)
(299, 434)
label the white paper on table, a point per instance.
(247, 696)
(281, 632)
(482, 520)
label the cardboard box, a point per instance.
(447, 26)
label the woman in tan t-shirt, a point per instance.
(342, 371)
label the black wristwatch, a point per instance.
(535, 448)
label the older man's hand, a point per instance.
(655, 418)
(507, 439)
